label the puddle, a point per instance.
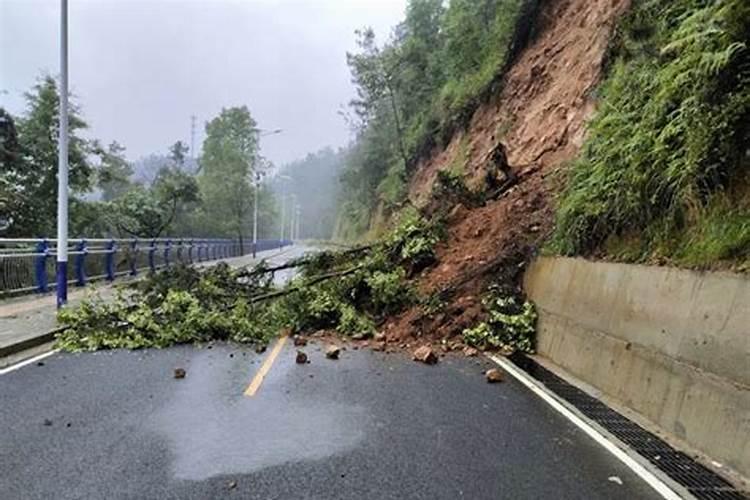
(212, 429)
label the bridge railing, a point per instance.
(27, 265)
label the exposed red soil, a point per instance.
(540, 115)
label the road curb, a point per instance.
(28, 343)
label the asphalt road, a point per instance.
(370, 425)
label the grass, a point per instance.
(668, 144)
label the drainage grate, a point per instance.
(700, 481)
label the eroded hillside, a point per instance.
(540, 115)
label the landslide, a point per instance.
(540, 115)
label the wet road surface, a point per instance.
(370, 425)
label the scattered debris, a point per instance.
(300, 341)
(426, 355)
(470, 352)
(179, 373)
(493, 375)
(332, 352)
(378, 346)
(615, 479)
(301, 358)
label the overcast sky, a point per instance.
(141, 68)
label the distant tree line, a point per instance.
(170, 194)
(415, 89)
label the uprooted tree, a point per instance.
(347, 291)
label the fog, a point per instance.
(141, 68)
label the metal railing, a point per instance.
(27, 265)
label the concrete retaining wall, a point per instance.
(672, 345)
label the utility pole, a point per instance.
(192, 136)
(299, 216)
(62, 164)
(255, 212)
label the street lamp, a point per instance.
(62, 168)
(258, 176)
(283, 178)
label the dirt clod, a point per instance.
(378, 346)
(493, 375)
(332, 352)
(470, 352)
(300, 341)
(179, 373)
(426, 355)
(301, 358)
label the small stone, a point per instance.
(68, 424)
(358, 336)
(231, 354)
(299, 341)
(493, 375)
(426, 355)
(232, 485)
(470, 352)
(456, 346)
(179, 373)
(47, 422)
(378, 346)
(301, 358)
(534, 229)
(332, 352)
(40, 363)
(260, 348)
(379, 337)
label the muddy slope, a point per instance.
(540, 115)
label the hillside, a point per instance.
(540, 115)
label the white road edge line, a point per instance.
(25, 362)
(653, 481)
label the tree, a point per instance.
(178, 152)
(149, 212)
(114, 172)
(230, 156)
(33, 175)
(10, 154)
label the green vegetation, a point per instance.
(415, 91)
(348, 291)
(111, 197)
(511, 322)
(663, 173)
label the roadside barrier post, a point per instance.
(151, 254)
(80, 270)
(134, 257)
(167, 247)
(40, 266)
(109, 261)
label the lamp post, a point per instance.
(258, 176)
(283, 178)
(62, 169)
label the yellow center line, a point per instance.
(258, 379)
